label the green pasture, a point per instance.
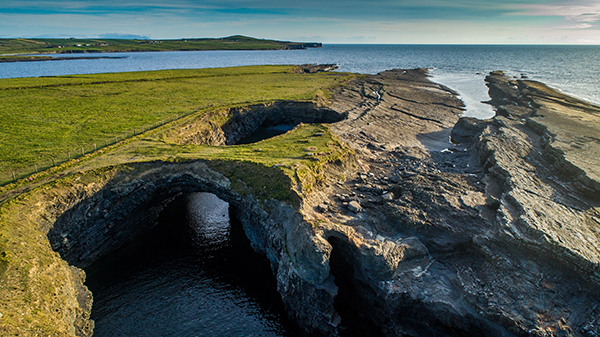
(48, 118)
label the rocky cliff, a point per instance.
(495, 235)
(436, 226)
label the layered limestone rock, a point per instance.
(494, 236)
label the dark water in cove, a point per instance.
(264, 133)
(188, 277)
(573, 69)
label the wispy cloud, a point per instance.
(583, 11)
(400, 21)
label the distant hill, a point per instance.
(101, 45)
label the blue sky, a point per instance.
(327, 21)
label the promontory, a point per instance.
(382, 206)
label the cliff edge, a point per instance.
(393, 217)
(458, 227)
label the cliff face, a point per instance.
(493, 234)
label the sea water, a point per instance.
(195, 274)
(572, 69)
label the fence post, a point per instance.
(53, 163)
(116, 139)
(69, 155)
(95, 148)
(82, 152)
(35, 167)
(14, 178)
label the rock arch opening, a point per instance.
(195, 273)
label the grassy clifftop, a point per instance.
(46, 121)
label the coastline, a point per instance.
(402, 232)
(75, 46)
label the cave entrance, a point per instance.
(350, 302)
(193, 274)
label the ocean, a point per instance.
(572, 69)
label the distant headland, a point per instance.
(12, 50)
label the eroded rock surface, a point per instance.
(494, 236)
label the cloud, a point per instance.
(580, 26)
(350, 21)
(575, 10)
(356, 9)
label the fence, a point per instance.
(77, 152)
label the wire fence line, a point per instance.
(77, 152)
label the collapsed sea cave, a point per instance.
(263, 122)
(165, 254)
(152, 266)
(195, 273)
(250, 124)
(123, 234)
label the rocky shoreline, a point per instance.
(435, 225)
(494, 233)
(503, 221)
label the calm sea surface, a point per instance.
(573, 69)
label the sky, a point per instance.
(326, 21)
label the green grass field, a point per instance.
(52, 117)
(18, 46)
